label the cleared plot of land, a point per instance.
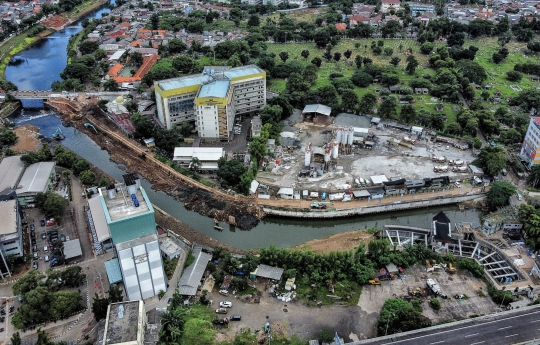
(340, 242)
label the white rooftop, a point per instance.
(98, 217)
(378, 179)
(122, 205)
(317, 108)
(202, 153)
(35, 178)
(8, 215)
(117, 55)
(11, 169)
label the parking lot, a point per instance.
(373, 296)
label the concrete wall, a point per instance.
(375, 208)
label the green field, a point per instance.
(496, 73)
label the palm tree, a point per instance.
(172, 326)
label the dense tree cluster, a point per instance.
(42, 299)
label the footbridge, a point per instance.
(47, 94)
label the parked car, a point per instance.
(236, 318)
(36, 256)
(458, 184)
(50, 222)
(519, 197)
(33, 233)
(67, 238)
(35, 265)
(34, 248)
(2, 319)
(43, 235)
(63, 237)
(46, 259)
(221, 311)
(225, 304)
(224, 292)
(32, 227)
(42, 222)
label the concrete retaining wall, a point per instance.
(376, 208)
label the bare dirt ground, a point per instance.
(28, 140)
(340, 242)
(55, 22)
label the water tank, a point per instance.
(339, 134)
(111, 193)
(350, 138)
(343, 140)
(307, 156)
(335, 149)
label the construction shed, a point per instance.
(192, 276)
(312, 110)
(268, 272)
(169, 249)
(207, 156)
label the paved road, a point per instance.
(511, 327)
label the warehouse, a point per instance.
(38, 178)
(207, 156)
(11, 169)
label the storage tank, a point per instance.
(350, 138)
(339, 134)
(344, 136)
(307, 155)
(335, 149)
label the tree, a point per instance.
(472, 70)
(310, 74)
(27, 283)
(349, 100)
(399, 315)
(99, 307)
(337, 56)
(54, 205)
(514, 76)
(347, 54)
(115, 294)
(492, 159)
(388, 108)
(253, 21)
(408, 113)
(361, 79)
(43, 338)
(88, 47)
(111, 85)
(230, 172)
(176, 46)
(325, 335)
(136, 58)
(16, 339)
(305, 53)
(426, 48)
(499, 193)
(87, 178)
(73, 276)
(272, 113)
(367, 103)
(284, 56)
(7, 137)
(412, 64)
(395, 61)
(234, 61)
(316, 61)
(172, 326)
(358, 61)
(388, 51)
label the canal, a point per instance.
(43, 64)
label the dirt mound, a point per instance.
(55, 22)
(339, 242)
(27, 139)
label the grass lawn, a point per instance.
(12, 47)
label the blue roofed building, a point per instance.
(212, 99)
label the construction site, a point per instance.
(340, 156)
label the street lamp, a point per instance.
(387, 322)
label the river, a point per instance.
(43, 64)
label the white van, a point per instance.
(45, 249)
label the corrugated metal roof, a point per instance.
(192, 80)
(191, 278)
(202, 153)
(72, 248)
(269, 272)
(8, 215)
(218, 89)
(287, 191)
(11, 169)
(98, 217)
(35, 178)
(113, 271)
(317, 108)
(361, 193)
(242, 71)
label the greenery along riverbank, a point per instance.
(17, 44)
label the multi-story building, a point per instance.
(420, 8)
(390, 5)
(130, 218)
(211, 99)
(530, 150)
(125, 324)
(11, 237)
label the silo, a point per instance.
(307, 155)
(339, 134)
(350, 138)
(344, 136)
(335, 149)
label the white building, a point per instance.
(211, 99)
(207, 156)
(390, 5)
(11, 169)
(530, 150)
(37, 178)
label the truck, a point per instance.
(433, 286)
(442, 168)
(438, 159)
(460, 169)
